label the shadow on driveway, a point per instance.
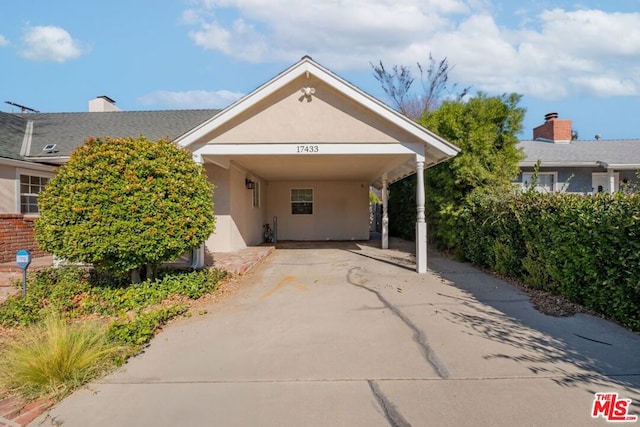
(608, 352)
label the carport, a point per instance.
(304, 148)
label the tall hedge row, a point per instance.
(586, 248)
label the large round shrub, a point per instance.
(124, 203)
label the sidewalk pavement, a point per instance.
(348, 334)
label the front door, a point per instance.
(600, 182)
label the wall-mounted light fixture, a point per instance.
(249, 184)
(307, 92)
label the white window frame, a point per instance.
(255, 196)
(291, 201)
(32, 173)
(527, 176)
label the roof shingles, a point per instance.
(12, 130)
(610, 152)
(69, 130)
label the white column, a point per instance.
(385, 212)
(197, 254)
(421, 224)
(612, 180)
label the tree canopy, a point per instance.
(124, 203)
(485, 129)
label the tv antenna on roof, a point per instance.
(23, 109)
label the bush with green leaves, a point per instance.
(585, 247)
(121, 204)
(136, 332)
(73, 292)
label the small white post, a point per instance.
(612, 180)
(197, 254)
(385, 212)
(197, 257)
(421, 224)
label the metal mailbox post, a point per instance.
(23, 259)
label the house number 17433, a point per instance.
(308, 149)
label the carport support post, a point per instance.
(385, 213)
(421, 224)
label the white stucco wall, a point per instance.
(340, 211)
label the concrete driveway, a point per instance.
(349, 335)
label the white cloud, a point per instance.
(3, 41)
(605, 86)
(351, 32)
(50, 43)
(191, 99)
(552, 54)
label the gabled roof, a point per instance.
(619, 154)
(438, 149)
(31, 132)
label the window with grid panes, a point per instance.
(301, 201)
(30, 187)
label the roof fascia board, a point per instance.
(622, 166)
(57, 160)
(306, 65)
(530, 164)
(26, 165)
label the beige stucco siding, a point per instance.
(9, 179)
(8, 185)
(238, 223)
(340, 211)
(288, 117)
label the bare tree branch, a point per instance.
(435, 85)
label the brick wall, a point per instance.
(554, 130)
(16, 232)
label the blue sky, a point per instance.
(580, 59)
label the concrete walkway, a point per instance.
(349, 335)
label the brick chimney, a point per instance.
(102, 104)
(553, 130)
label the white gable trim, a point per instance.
(307, 66)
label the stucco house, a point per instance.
(301, 151)
(577, 166)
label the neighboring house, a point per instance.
(301, 149)
(578, 166)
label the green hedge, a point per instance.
(586, 248)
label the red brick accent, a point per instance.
(16, 232)
(20, 413)
(553, 129)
